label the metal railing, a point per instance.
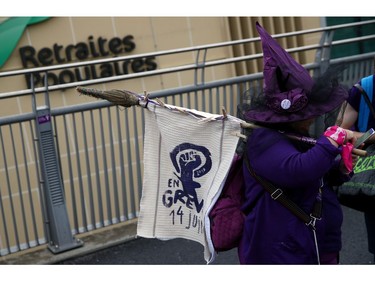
(99, 146)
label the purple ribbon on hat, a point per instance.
(290, 101)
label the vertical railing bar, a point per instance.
(223, 91)
(111, 143)
(196, 69)
(231, 93)
(23, 215)
(203, 67)
(31, 202)
(143, 122)
(181, 99)
(196, 99)
(137, 155)
(139, 164)
(345, 74)
(223, 97)
(188, 100)
(209, 98)
(40, 188)
(2, 208)
(203, 99)
(98, 184)
(215, 95)
(367, 67)
(210, 108)
(360, 69)
(10, 192)
(228, 99)
(122, 165)
(239, 90)
(349, 73)
(130, 168)
(219, 104)
(71, 178)
(89, 182)
(357, 68)
(107, 191)
(176, 100)
(354, 72)
(364, 67)
(239, 99)
(79, 174)
(4, 224)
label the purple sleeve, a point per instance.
(284, 164)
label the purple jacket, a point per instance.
(272, 234)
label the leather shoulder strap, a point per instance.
(278, 195)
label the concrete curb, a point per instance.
(93, 241)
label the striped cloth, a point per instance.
(187, 155)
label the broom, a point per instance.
(119, 97)
(127, 98)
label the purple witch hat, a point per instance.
(289, 92)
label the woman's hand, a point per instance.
(350, 136)
(337, 135)
(344, 138)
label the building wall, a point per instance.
(149, 34)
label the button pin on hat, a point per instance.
(285, 104)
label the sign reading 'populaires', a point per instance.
(185, 163)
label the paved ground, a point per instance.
(120, 256)
(117, 246)
(185, 252)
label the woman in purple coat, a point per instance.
(305, 173)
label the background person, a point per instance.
(357, 116)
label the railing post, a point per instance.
(322, 57)
(323, 53)
(60, 234)
(200, 66)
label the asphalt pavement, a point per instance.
(144, 251)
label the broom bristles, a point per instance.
(119, 97)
